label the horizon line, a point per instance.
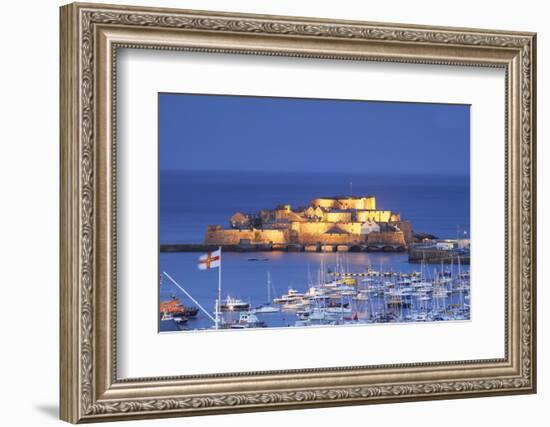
(286, 172)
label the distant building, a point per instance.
(369, 227)
(240, 220)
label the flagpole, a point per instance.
(219, 289)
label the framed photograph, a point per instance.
(266, 213)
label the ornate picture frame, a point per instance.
(90, 37)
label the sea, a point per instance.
(190, 201)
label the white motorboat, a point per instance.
(234, 304)
(247, 319)
(291, 296)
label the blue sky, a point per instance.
(236, 133)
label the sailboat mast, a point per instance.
(218, 308)
(268, 288)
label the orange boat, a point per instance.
(175, 307)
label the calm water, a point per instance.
(247, 280)
(191, 201)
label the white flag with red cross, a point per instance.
(210, 260)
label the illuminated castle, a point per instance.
(346, 221)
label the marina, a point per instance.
(319, 289)
(295, 265)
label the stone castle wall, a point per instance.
(345, 202)
(386, 238)
(334, 239)
(220, 236)
(406, 228)
(309, 233)
(376, 216)
(337, 216)
(351, 227)
(320, 228)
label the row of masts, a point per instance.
(324, 276)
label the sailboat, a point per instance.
(267, 307)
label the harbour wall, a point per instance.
(221, 237)
(437, 256)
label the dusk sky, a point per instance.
(235, 133)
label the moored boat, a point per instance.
(247, 319)
(173, 308)
(234, 304)
(292, 296)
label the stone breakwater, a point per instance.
(262, 247)
(458, 254)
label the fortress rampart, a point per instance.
(367, 202)
(386, 238)
(330, 239)
(325, 221)
(220, 237)
(406, 228)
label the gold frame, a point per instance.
(90, 36)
